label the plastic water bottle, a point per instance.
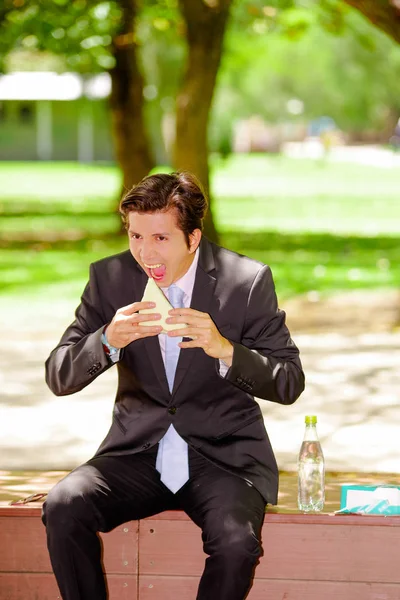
(311, 470)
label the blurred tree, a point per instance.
(182, 44)
(91, 36)
(94, 35)
(205, 27)
(130, 136)
(349, 76)
(384, 14)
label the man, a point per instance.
(186, 431)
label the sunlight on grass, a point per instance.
(284, 194)
(69, 183)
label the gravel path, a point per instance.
(353, 385)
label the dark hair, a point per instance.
(162, 192)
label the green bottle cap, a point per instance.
(311, 420)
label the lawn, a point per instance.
(321, 226)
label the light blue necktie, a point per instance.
(172, 457)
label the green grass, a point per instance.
(283, 194)
(321, 226)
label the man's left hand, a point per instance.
(203, 333)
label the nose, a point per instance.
(146, 252)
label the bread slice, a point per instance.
(152, 293)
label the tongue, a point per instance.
(158, 272)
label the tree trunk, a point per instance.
(205, 28)
(384, 14)
(126, 101)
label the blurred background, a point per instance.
(289, 113)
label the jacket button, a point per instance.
(172, 410)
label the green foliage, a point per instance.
(350, 75)
(318, 51)
(80, 31)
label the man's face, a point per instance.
(160, 247)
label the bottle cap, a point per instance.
(311, 420)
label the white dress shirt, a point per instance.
(186, 283)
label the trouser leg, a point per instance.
(98, 496)
(230, 514)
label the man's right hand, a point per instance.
(126, 325)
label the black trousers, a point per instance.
(110, 490)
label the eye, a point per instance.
(162, 238)
(134, 236)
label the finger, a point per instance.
(133, 337)
(187, 320)
(140, 336)
(192, 344)
(136, 318)
(193, 332)
(144, 329)
(134, 329)
(135, 307)
(189, 312)
(129, 325)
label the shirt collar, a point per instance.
(186, 282)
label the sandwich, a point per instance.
(152, 293)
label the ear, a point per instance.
(194, 240)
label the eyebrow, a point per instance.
(153, 234)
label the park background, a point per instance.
(287, 112)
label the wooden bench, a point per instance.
(306, 557)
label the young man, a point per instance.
(186, 431)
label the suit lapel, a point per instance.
(202, 296)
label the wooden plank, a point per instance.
(170, 548)
(28, 586)
(120, 549)
(157, 587)
(169, 588)
(291, 551)
(300, 518)
(272, 516)
(30, 510)
(320, 552)
(23, 547)
(122, 587)
(40, 586)
(309, 550)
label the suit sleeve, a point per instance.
(79, 357)
(266, 363)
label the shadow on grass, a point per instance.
(266, 241)
(300, 261)
(26, 211)
(263, 241)
(326, 263)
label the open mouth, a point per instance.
(156, 271)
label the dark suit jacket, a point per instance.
(217, 416)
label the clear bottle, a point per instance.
(311, 470)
